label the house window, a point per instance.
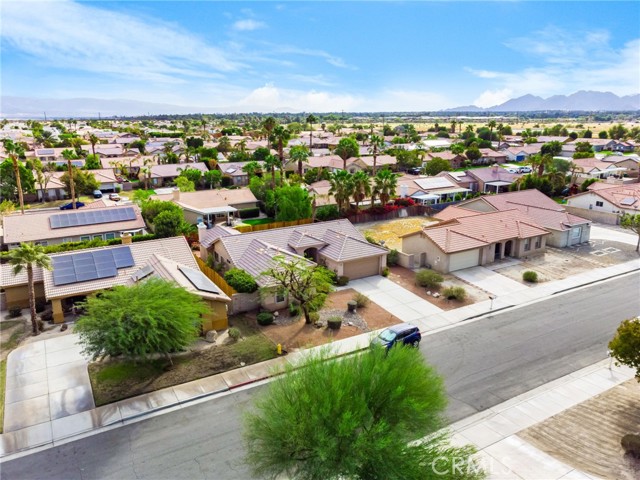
(527, 244)
(599, 203)
(216, 256)
(109, 236)
(280, 295)
(85, 238)
(539, 241)
(99, 237)
(42, 243)
(67, 240)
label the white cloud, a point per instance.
(271, 98)
(73, 36)
(571, 61)
(248, 25)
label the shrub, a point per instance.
(234, 334)
(385, 272)
(361, 300)
(294, 309)
(631, 444)
(314, 316)
(327, 212)
(15, 312)
(371, 240)
(342, 281)
(392, 257)
(240, 281)
(335, 322)
(265, 318)
(249, 212)
(530, 276)
(429, 279)
(455, 293)
(404, 202)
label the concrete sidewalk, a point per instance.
(494, 431)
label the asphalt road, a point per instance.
(484, 363)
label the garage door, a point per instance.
(458, 261)
(362, 268)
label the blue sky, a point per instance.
(318, 56)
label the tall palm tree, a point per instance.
(270, 163)
(26, 257)
(385, 184)
(376, 143)
(70, 155)
(341, 188)
(300, 154)
(281, 137)
(269, 124)
(361, 187)
(93, 140)
(15, 151)
(311, 119)
(346, 149)
(491, 125)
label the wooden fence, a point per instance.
(413, 211)
(269, 226)
(215, 277)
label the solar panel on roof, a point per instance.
(628, 201)
(142, 273)
(85, 266)
(199, 281)
(76, 219)
(46, 151)
(122, 257)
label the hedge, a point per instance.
(249, 212)
(240, 281)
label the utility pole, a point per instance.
(45, 116)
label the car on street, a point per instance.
(69, 206)
(405, 334)
(414, 171)
(97, 194)
(114, 196)
(525, 170)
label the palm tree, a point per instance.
(385, 184)
(26, 256)
(93, 140)
(269, 124)
(376, 145)
(271, 162)
(492, 125)
(15, 151)
(346, 149)
(453, 126)
(300, 154)
(361, 187)
(281, 137)
(70, 155)
(311, 119)
(224, 145)
(341, 187)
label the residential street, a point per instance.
(484, 363)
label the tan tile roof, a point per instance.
(210, 198)
(169, 170)
(466, 233)
(258, 257)
(617, 194)
(34, 226)
(212, 234)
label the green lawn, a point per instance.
(258, 221)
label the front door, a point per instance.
(507, 248)
(498, 251)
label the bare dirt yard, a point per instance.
(389, 231)
(407, 279)
(557, 263)
(587, 436)
(294, 333)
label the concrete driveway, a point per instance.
(46, 381)
(489, 280)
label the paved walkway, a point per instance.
(494, 431)
(489, 280)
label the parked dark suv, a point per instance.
(404, 333)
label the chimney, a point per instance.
(176, 194)
(495, 167)
(126, 238)
(202, 229)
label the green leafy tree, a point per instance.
(603, 134)
(376, 145)
(385, 185)
(299, 154)
(152, 208)
(341, 187)
(250, 168)
(84, 182)
(457, 148)
(141, 145)
(151, 317)
(625, 345)
(293, 203)
(192, 174)
(361, 187)
(92, 162)
(268, 125)
(632, 222)
(260, 154)
(213, 178)
(356, 417)
(473, 154)
(437, 165)
(347, 148)
(184, 184)
(169, 223)
(224, 145)
(71, 181)
(618, 131)
(25, 257)
(271, 162)
(551, 148)
(194, 142)
(307, 285)
(240, 280)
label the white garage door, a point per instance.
(460, 260)
(362, 268)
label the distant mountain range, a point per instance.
(26, 107)
(580, 101)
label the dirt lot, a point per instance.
(389, 231)
(557, 264)
(296, 334)
(588, 435)
(406, 278)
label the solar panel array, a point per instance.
(92, 217)
(199, 281)
(628, 201)
(46, 151)
(85, 266)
